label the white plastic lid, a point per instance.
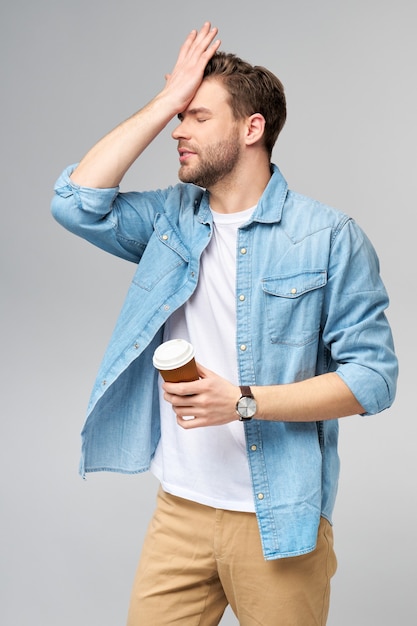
(172, 354)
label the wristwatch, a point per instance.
(246, 405)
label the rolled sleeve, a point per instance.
(119, 223)
(357, 330)
(70, 198)
(373, 391)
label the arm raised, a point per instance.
(107, 162)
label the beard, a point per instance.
(215, 162)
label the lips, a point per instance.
(185, 153)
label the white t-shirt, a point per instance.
(208, 465)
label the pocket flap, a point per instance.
(168, 235)
(295, 285)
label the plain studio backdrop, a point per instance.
(70, 72)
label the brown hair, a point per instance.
(252, 89)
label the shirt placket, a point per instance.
(247, 376)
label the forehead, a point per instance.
(210, 95)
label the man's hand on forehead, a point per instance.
(194, 54)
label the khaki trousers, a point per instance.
(196, 560)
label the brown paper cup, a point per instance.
(175, 361)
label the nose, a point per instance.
(179, 131)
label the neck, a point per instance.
(241, 189)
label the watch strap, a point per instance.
(245, 390)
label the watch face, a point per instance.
(247, 407)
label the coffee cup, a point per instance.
(175, 361)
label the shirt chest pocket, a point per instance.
(293, 306)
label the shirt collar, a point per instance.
(270, 205)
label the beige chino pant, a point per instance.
(196, 560)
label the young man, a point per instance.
(282, 299)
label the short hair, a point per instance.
(252, 89)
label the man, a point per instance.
(282, 299)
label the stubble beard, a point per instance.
(216, 161)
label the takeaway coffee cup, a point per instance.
(175, 361)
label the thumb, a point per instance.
(204, 372)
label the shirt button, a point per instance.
(136, 346)
(164, 237)
(293, 290)
(260, 496)
(253, 448)
(241, 297)
(243, 251)
(243, 347)
(166, 307)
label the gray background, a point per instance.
(70, 72)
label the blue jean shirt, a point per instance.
(309, 300)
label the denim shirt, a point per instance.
(309, 300)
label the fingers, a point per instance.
(211, 400)
(199, 45)
(200, 39)
(205, 37)
(186, 398)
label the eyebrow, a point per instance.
(195, 111)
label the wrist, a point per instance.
(169, 101)
(246, 406)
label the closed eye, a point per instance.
(196, 113)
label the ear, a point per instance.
(255, 126)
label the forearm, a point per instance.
(107, 162)
(212, 400)
(319, 398)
